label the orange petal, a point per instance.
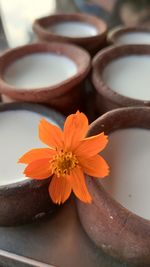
(75, 129)
(50, 134)
(39, 169)
(79, 186)
(59, 189)
(35, 154)
(92, 145)
(95, 166)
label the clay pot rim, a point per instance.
(121, 30)
(99, 124)
(103, 58)
(36, 108)
(98, 23)
(83, 64)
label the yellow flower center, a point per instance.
(63, 162)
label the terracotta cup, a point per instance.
(66, 96)
(106, 98)
(112, 227)
(92, 44)
(115, 35)
(27, 200)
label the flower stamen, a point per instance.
(63, 162)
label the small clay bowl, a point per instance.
(66, 96)
(106, 98)
(92, 44)
(113, 228)
(120, 35)
(27, 200)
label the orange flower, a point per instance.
(68, 157)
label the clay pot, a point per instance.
(114, 36)
(107, 99)
(92, 43)
(66, 96)
(113, 228)
(27, 200)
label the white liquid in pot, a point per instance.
(74, 29)
(129, 76)
(134, 38)
(18, 134)
(40, 70)
(128, 155)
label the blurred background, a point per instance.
(17, 16)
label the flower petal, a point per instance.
(50, 134)
(59, 189)
(79, 186)
(91, 146)
(95, 166)
(35, 154)
(75, 129)
(39, 169)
